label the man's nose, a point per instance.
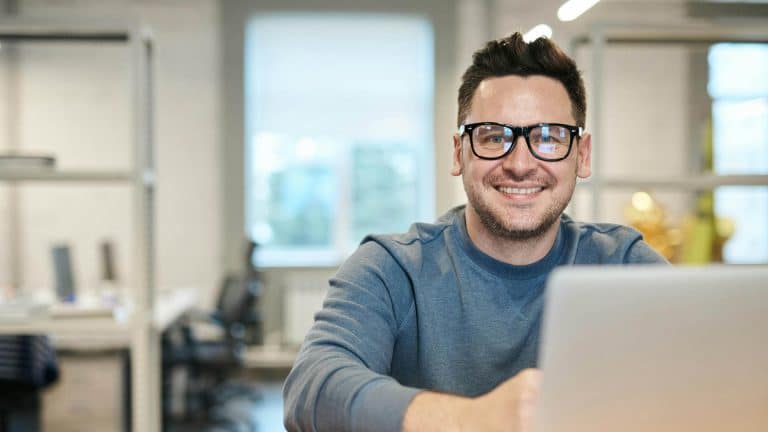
(519, 159)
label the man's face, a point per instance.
(518, 196)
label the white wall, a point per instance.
(645, 130)
(74, 101)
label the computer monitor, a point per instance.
(62, 272)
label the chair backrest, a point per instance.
(236, 299)
(28, 360)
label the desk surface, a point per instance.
(168, 306)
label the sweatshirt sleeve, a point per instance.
(340, 380)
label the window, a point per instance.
(338, 132)
(739, 89)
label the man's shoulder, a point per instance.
(396, 259)
(601, 230)
(600, 243)
(419, 235)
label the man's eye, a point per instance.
(551, 139)
(546, 138)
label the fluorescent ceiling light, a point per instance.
(571, 9)
(541, 30)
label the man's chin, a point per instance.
(525, 233)
(521, 230)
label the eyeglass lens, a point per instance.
(548, 142)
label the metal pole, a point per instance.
(145, 356)
(598, 45)
(11, 53)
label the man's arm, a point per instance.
(510, 407)
(340, 380)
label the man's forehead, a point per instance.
(516, 82)
(534, 98)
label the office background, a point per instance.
(216, 123)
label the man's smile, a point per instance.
(519, 190)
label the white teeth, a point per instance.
(522, 191)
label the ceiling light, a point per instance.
(571, 9)
(541, 30)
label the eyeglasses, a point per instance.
(550, 142)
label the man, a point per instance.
(438, 329)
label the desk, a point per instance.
(269, 357)
(127, 333)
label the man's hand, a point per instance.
(510, 407)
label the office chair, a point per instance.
(27, 366)
(210, 362)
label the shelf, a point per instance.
(702, 34)
(693, 183)
(65, 36)
(45, 324)
(27, 30)
(169, 306)
(140, 330)
(68, 176)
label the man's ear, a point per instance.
(456, 170)
(584, 156)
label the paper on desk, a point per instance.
(21, 308)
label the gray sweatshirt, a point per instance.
(428, 310)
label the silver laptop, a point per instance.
(655, 348)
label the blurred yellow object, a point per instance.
(648, 216)
(642, 201)
(725, 227)
(705, 234)
(700, 238)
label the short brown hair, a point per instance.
(513, 56)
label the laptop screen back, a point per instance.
(655, 348)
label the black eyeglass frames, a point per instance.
(550, 142)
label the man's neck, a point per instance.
(510, 251)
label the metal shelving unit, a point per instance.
(627, 34)
(141, 327)
(29, 175)
(702, 182)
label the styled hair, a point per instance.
(513, 56)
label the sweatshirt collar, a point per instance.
(541, 267)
